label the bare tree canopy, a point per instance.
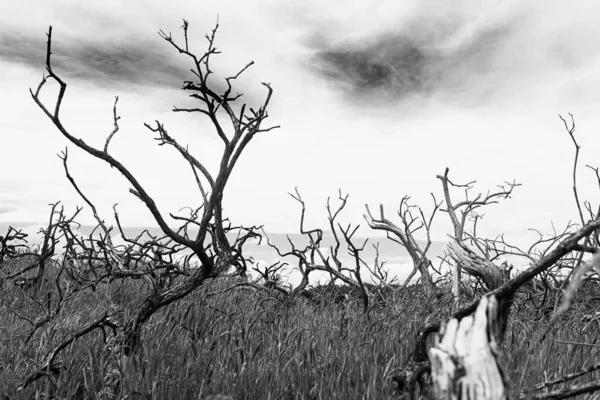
(190, 312)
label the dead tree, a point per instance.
(14, 246)
(462, 212)
(45, 279)
(405, 236)
(458, 372)
(492, 275)
(312, 258)
(464, 361)
(419, 365)
(152, 258)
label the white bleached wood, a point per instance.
(464, 360)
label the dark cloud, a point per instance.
(103, 64)
(132, 63)
(107, 64)
(402, 64)
(465, 56)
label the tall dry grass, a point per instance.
(251, 345)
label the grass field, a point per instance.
(251, 344)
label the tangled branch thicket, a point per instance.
(188, 314)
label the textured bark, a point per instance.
(464, 359)
(492, 275)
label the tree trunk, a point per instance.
(464, 360)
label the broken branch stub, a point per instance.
(464, 359)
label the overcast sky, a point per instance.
(373, 97)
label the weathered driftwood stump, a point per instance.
(464, 358)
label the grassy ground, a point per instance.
(249, 345)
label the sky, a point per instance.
(374, 98)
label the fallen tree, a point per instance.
(453, 370)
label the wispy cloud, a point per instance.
(398, 65)
(6, 208)
(116, 48)
(346, 80)
(144, 62)
(466, 53)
